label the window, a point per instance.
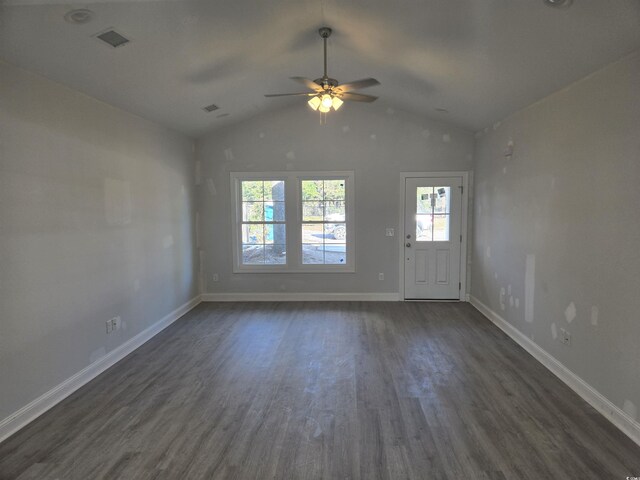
(264, 233)
(324, 230)
(293, 222)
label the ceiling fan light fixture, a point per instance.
(325, 93)
(315, 102)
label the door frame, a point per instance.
(463, 227)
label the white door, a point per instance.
(432, 238)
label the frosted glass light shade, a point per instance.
(336, 103)
(314, 102)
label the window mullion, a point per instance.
(293, 210)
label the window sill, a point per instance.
(314, 269)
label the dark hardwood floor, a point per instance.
(344, 390)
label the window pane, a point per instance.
(441, 228)
(312, 233)
(253, 233)
(252, 254)
(311, 189)
(335, 232)
(275, 233)
(424, 199)
(423, 228)
(252, 211)
(443, 199)
(252, 190)
(312, 253)
(274, 211)
(335, 254)
(268, 233)
(275, 254)
(334, 211)
(274, 190)
(312, 211)
(334, 189)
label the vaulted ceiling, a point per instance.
(478, 59)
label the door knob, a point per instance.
(408, 245)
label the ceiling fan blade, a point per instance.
(357, 97)
(357, 85)
(308, 83)
(306, 94)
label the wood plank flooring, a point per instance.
(344, 390)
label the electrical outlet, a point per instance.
(390, 232)
(215, 277)
(565, 337)
(109, 326)
(381, 276)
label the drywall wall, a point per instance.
(96, 221)
(375, 141)
(557, 230)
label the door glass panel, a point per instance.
(442, 199)
(425, 195)
(433, 206)
(423, 228)
(441, 228)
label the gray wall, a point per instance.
(96, 220)
(568, 196)
(374, 141)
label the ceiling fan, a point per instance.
(326, 92)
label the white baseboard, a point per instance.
(614, 414)
(299, 297)
(40, 405)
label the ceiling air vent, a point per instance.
(211, 108)
(113, 38)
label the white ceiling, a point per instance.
(479, 59)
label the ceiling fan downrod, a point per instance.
(325, 32)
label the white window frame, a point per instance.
(293, 221)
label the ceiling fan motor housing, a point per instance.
(326, 82)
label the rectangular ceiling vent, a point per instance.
(113, 38)
(211, 108)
